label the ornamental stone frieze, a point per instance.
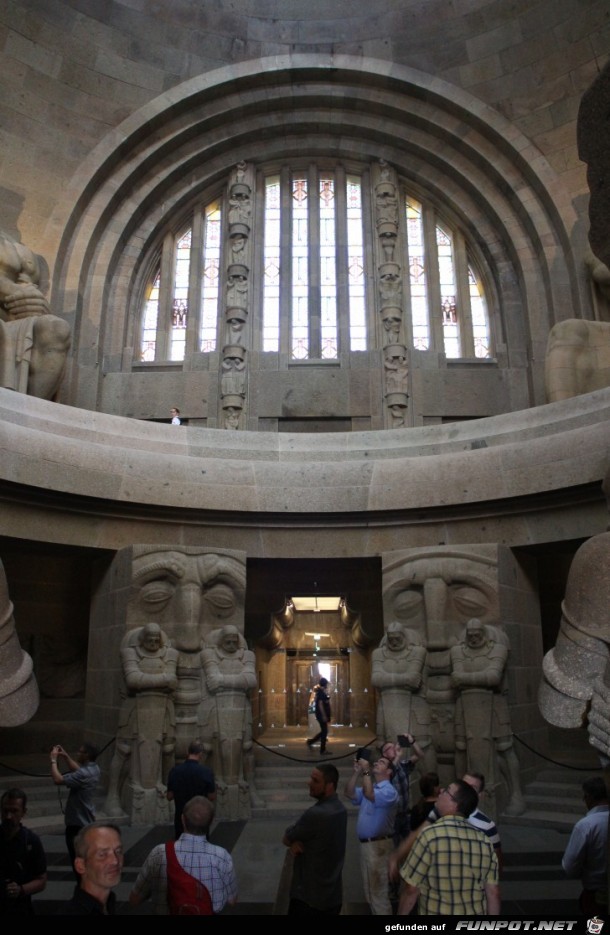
(233, 380)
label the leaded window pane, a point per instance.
(300, 269)
(449, 309)
(478, 310)
(210, 284)
(417, 275)
(271, 265)
(355, 265)
(151, 317)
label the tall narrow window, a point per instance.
(180, 298)
(417, 275)
(478, 311)
(271, 265)
(449, 307)
(355, 265)
(300, 269)
(328, 270)
(151, 317)
(210, 286)
(322, 277)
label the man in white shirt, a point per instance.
(585, 857)
(210, 865)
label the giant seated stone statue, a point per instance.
(577, 358)
(33, 342)
(578, 352)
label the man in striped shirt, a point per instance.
(452, 868)
(477, 819)
(209, 864)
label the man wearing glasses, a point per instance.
(452, 868)
(378, 801)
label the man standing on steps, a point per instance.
(187, 780)
(81, 780)
(378, 801)
(23, 863)
(452, 868)
(322, 714)
(317, 841)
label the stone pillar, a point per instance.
(429, 596)
(233, 394)
(192, 594)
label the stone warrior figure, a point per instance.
(398, 673)
(229, 675)
(482, 722)
(575, 689)
(33, 342)
(146, 734)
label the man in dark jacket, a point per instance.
(317, 841)
(23, 863)
(187, 780)
(322, 714)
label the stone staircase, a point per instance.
(283, 767)
(284, 764)
(554, 799)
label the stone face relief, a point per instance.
(146, 733)
(577, 358)
(191, 594)
(33, 342)
(575, 688)
(18, 689)
(432, 594)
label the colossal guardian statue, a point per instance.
(33, 342)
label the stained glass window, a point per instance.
(310, 280)
(355, 265)
(271, 265)
(151, 317)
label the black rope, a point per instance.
(328, 758)
(585, 769)
(24, 772)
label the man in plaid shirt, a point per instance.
(209, 864)
(452, 868)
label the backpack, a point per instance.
(186, 896)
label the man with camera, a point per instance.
(403, 753)
(81, 779)
(378, 801)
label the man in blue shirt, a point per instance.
(586, 855)
(378, 801)
(81, 779)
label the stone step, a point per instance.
(538, 818)
(548, 799)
